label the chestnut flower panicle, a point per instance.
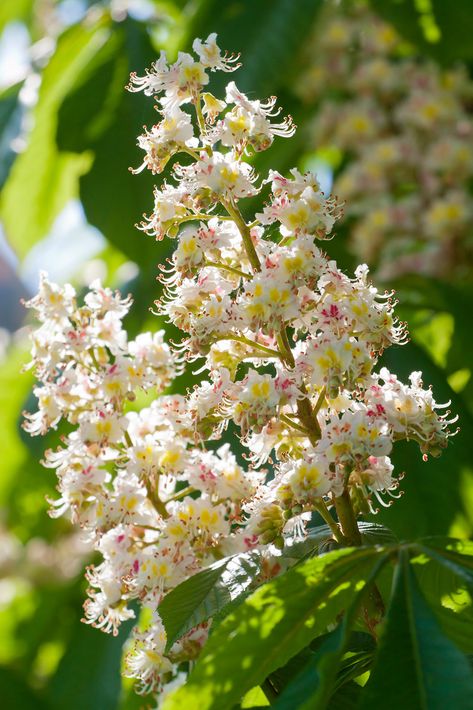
(289, 345)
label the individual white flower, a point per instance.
(250, 122)
(268, 301)
(174, 133)
(305, 480)
(337, 362)
(171, 206)
(52, 301)
(145, 660)
(221, 173)
(211, 57)
(300, 208)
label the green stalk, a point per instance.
(201, 122)
(287, 420)
(373, 607)
(245, 232)
(181, 494)
(230, 269)
(347, 519)
(246, 341)
(322, 509)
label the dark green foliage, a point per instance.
(416, 667)
(281, 620)
(438, 28)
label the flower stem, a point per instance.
(201, 122)
(246, 341)
(373, 606)
(192, 217)
(226, 267)
(158, 504)
(181, 494)
(322, 509)
(245, 232)
(347, 519)
(287, 420)
(304, 407)
(285, 348)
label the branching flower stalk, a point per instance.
(288, 344)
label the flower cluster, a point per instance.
(289, 345)
(406, 127)
(128, 477)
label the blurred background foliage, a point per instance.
(68, 205)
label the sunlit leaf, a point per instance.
(272, 625)
(417, 666)
(206, 593)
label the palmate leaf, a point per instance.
(417, 667)
(347, 697)
(312, 688)
(445, 578)
(456, 555)
(360, 648)
(206, 593)
(272, 625)
(267, 639)
(320, 538)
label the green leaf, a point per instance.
(440, 298)
(456, 555)
(13, 391)
(43, 179)
(255, 698)
(319, 539)
(313, 686)
(444, 577)
(14, 11)
(272, 625)
(206, 593)
(101, 118)
(360, 646)
(16, 694)
(315, 678)
(441, 29)
(417, 667)
(10, 117)
(88, 675)
(268, 34)
(346, 698)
